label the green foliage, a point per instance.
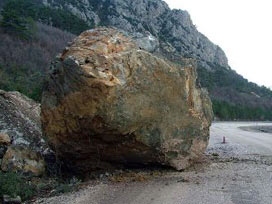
(18, 78)
(14, 184)
(66, 187)
(226, 111)
(248, 100)
(13, 22)
(23, 65)
(62, 19)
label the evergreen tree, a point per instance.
(13, 22)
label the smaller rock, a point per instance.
(183, 180)
(147, 42)
(269, 169)
(9, 200)
(4, 139)
(19, 159)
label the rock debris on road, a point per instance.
(240, 172)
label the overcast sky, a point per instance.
(242, 28)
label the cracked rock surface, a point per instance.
(109, 103)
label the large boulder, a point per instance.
(107, 102)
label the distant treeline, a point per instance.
(220, 77)
(234, 97)
(227, 111)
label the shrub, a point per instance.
(14, 184)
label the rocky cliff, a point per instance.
(151, 17)
(108, 102)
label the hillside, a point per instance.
(168, 33)
(23, 64)
(28, 47)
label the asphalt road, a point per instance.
(237, 174)
(239, 141)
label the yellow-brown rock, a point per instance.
(19, 159)
(4, 139)
(107, 103)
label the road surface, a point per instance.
(242, 142)
(240, 173)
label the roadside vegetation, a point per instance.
(17, 184)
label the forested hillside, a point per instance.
(34, 31)
(21, 13)
(31, 37)
(234, 97)
(23, 64)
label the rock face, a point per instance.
(107, 102)
(20, 119)
(149, 16)
(21, 142)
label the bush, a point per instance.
(66, 187)
(14, 184)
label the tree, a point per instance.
(14, 23)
